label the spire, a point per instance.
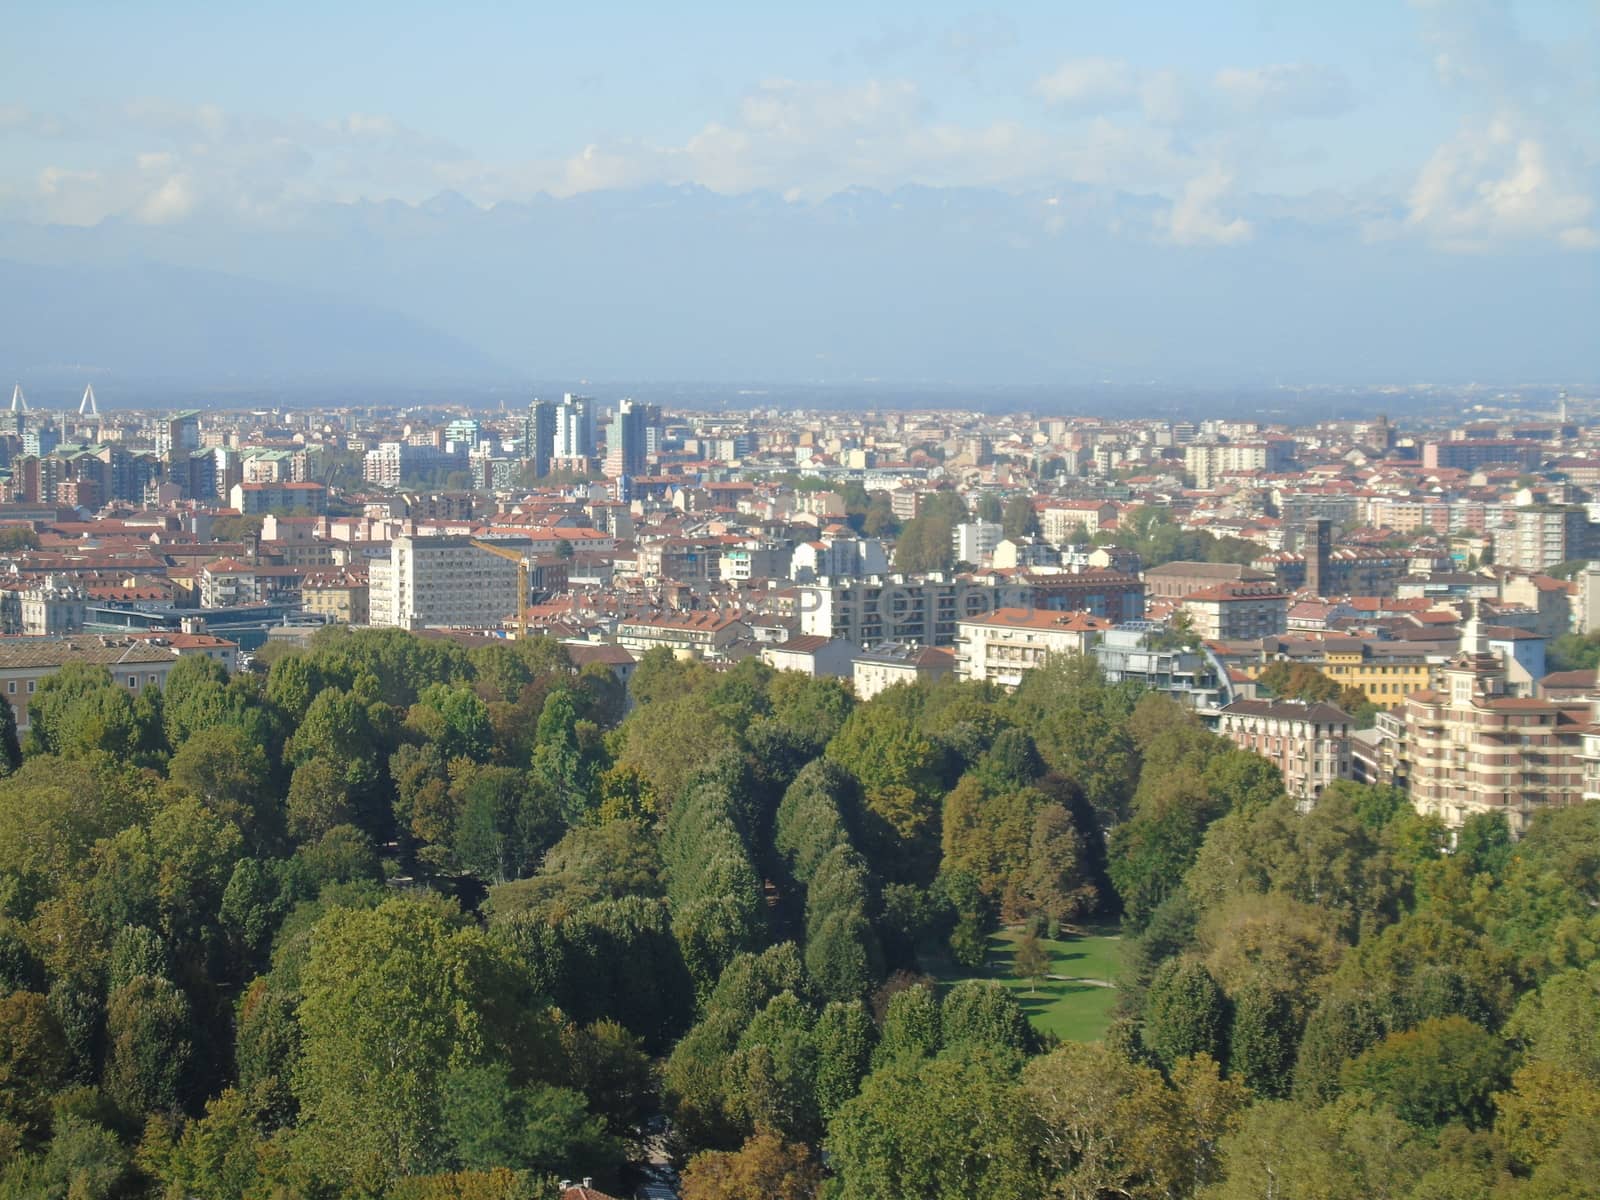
(87, 406)
(19, 403)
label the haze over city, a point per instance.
(908, 196)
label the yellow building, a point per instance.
(1385, 677)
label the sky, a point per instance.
(1437, 128)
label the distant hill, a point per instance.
(151, 321)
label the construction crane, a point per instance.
(521, 560)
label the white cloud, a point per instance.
(1496, 182)
(172, 200)
(1090, 84)
(1285, 90)
(1197, 217)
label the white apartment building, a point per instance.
(974, 541)
(1002, 646)
(899, 608)
(441, 581)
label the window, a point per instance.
(30, 687)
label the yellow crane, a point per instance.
(521, 560)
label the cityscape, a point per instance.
(837, 602)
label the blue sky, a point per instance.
(165, 110)
(1435, 139)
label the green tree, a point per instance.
(946, 1128)
(491, 1123)
(1185, 1013)
(148, 1046)
(1020, 519)
(10, 746)
(1031, 960)
(983, 1012)
(34, 1061)
(912, 1026)
(394, 998)
(1446, 1069)
(844, 1036)
(1262, 1040)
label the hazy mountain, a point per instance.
(150, 322)
(920, 285)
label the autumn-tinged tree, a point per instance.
(765, 1168)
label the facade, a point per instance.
(260, 498)
(441, 581)
(1469, 747)
(888, 665)
(974, 541)
(1175, 580)
(1207, 462)
(134, 663)
(700, 634)
(1308, 743)
(1470, 454)
(539, 436)
(1058, 523)
(52, 607)
(1539, 537)
(813, 656)
(1002, 646)
(1229, 612)
(1192, 677)
(336, 596)
(898, 608)
(575, 428)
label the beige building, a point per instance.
(337, 596)
(1231, 611)
(135, 662)
(889, 665)
(700, 634)
(1001, 646)
(1308, 743)
(1469, 747)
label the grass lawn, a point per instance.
(1073, 1011)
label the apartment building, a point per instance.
(891, 664)
(1540, 536)
(899, 608)
(1468, 747)
(697, 634)
(1308, 743)
(441, 581)
(1231, 611)
(1002, 646)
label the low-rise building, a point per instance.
(1236, 611)
(1308, 743)
(811, 656)
(337, 596)
(885, 666)
(1002, 646)
(700, 634)
(134, 662)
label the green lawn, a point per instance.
(1073, 1011)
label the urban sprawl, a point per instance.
(1351, 600)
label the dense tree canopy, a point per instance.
(401, 920)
